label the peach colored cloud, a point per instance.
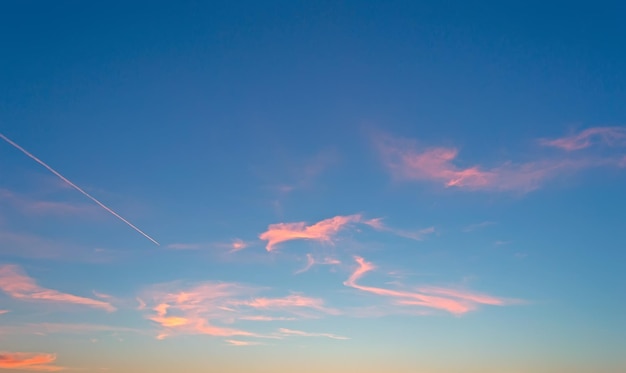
(238, 343)
(454, 301)
(323, 231)
(29, 361)
(299, 333)
(290, 302)
(15, 283)
(216, 309)
(266, 318)
(437, 164)
(2, 312)
(195, 310)
(610, 136)
(311, 261)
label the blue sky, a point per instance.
(337, 186)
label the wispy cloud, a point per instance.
(238, 343)
(322, 231)
(38, 207)
(407, 161)
(216, 308)
(65, 328)
(2, 312)
(473, 227)
(290, 303)
(610, 136)
(266, 318)
(15, 283)
(417, 235)
(234, 245)
(31, 361)
(299, 333)
(68, 182)
(196, 310)
(454, 301)
(311, 261)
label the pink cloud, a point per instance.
(29, 361)
(266, 318)
(2, 312)
(299, 333)
(323, 231)
(216, 309)
(311, 261)
(195, 310)
(290, 302)
(454, 301)
(238, 343)
(611, 136)
(18, 285)
(437, 164)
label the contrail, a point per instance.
(76, 187)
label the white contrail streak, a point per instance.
(76, 187)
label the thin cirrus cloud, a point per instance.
(15, 283)
(238, 343)
(290, 303)
(610, 136)
(299, 333)
(322, 231)
(234, 245)
(326, 230)
(417, 235)
(311, 261)
(453, 301)
(35, 207)
(216, 308)
(29, 361)
(406, 161)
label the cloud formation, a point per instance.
(417, 235)
(453, 301)
(238, 343)
(299, 333)
(29, 361)
(36, 207)
(610, 136)
(234, 245)
(216, 308)
(311, 261)
(438, 164)
(322, 231)
(15, 283)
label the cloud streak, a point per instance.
(453, 301)
(323, 231)
(299, 333)
(29, 361)
(215, 309)
(15, 283)
(417, 235)
(437, 164)
(311, 261)
(610, 136)
(18, 147)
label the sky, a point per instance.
(337, 186)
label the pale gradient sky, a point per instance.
(280, 186)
